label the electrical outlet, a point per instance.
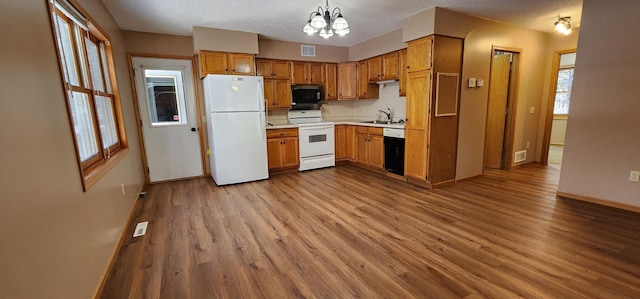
(634, 176)
(208, 152)
(528, 144)
(141, 229)
(122, 186)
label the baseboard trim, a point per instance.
(468, 178)
(443, 183)
(123, 235)
(602, 202)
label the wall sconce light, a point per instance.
(563, 25)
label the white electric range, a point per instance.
(316, 139)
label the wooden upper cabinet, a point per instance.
(277, 87)
(384, 67)
(298, 72)
(402, 59)
(330, 82)
(274, 69)
(264, 68)
(316, 73)
(281, 69)
(307, 73)
(390, 66)
(348, 81)
(419, 54)
(277, 93)
(241, 64)
(366, 90)
(374, 67)
(212, 62)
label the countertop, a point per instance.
(286, 125)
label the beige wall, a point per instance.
(480, 35)
(56, 239)
(602, 141)
(419, 25)
(157, 44)
(376, 46)
(213, 39)
(275, 49)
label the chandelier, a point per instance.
(326, 23)
(563, 25)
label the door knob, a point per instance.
(193, 129)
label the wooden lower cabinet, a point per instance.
(369, 146)
(416, 152)
(282, 148)
(344, 138)
(341, 142)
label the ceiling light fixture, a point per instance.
(563, 25)
(326, 23)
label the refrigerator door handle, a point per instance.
(263, 127)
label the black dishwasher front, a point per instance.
(394, 150)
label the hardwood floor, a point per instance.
(343, 233)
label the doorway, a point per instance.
(558, 107)
(168, 118)
(503, 86)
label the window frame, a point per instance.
(96, 166)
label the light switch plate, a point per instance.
(634, 176)
(479, 83)
(472, 82)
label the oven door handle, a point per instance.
(315, 128)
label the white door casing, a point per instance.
(167, 106)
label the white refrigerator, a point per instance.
(236, 128)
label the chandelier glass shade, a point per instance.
(327, 22)
(563, 25)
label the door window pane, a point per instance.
(563, 91)
(165, 97)
(83, 125)
(107, 121)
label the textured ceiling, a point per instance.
(283, 20)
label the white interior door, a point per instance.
(167, 103)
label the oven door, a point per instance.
(316, 139)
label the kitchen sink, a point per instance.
(385, 122)
(376, 122)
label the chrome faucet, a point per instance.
(387, 113)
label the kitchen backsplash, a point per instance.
(363, 110)
(366, 109)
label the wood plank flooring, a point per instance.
(347, 233)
